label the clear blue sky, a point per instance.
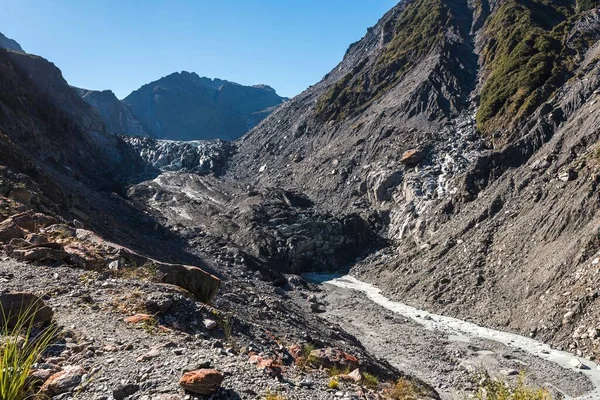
(123, 44)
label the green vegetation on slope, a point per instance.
(525, 57)
(419, 28)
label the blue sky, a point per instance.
(123, 44)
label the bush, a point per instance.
(20, 349)
(333, 383)
(493, 389)
(404, 389)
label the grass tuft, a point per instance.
(20, 347)
(370, 381)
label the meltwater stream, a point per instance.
(461, 329)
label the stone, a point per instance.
(138, 318)
(10, 230)
(203, 381)
(200, 283)
(568, 175)
(125, 391)
(354, 376)
(158, 303)
(412, 157)
(209, 324)
(577, 364)
(116, 265)
(21, 195)
(42, 254)
(35, 238)
(24, 305)
(64, 381)
(333, 358)
(149, 355)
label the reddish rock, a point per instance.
(63, 381)
(138, 318)
(203, 381)
(412, 157)
(330, 358)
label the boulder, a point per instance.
(201, 284)
(46, 254)
(9, 230)
(64, 381)
(23, 305)
(203, 381)
(412, 157)
(21, 195)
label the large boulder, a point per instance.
(204, 382)
(64, 381)
(199, 282)
(24, 306)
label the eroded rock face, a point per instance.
(203, 381)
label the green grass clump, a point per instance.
(20, 348)
(370, 381)
(417, 31)
(493, 389)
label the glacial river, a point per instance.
(458, 329)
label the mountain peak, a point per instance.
(10, 44)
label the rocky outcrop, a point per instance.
(200, 283)
(9, 44)
(116, 115)
(184, 106)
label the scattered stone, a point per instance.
(21, 195)
(124, 391)
(63, 381)
(568, 175)
(209, 324)
(149, 355)
(331, 357)
(203, 381)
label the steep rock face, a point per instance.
(499, 212)
(9, 44)
(49, 80)
(183, 106)
(115, 114)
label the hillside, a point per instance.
(446, 172)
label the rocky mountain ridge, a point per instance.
(184, 106)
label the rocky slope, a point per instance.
(115, 114)
(475, 140)
(451, 158)
(184, 106)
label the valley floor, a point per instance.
(446, 361)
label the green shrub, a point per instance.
(20, 348)
(493, 389)
(370, 381)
